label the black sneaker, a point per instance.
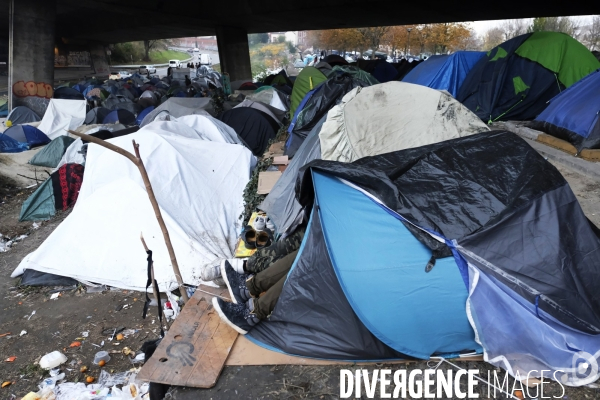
(237, 316)
(236, 283)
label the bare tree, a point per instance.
(514, 27)
(592, 36)
(568, 25)
(493, 37)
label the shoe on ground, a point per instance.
(270, 225)
(210, 273)
(249, 237)
(259, 223)
(238, 316)
(236, 283)
(263, 239)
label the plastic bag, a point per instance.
(128, 392)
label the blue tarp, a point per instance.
(445, 72)
(573, 114)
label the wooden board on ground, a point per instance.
(557, 143)
(194, 350)
(244, 352)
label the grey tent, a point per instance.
(180, 106)
(51, 155)
(281, 205)
(112, 100)
(275, 113)
(96, 115)
(22, 115)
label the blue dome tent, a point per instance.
(573, 114)
(402, 246)
(445, 72)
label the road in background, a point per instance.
(162, 71)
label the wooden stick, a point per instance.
(138, 162)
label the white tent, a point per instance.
(198, 185)
(393, 116)
(62, 115)
(210, 128)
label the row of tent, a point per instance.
(125, 101)
(546, 77)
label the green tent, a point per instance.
(40, 205)
(308, 79)
(517, 79)
(561, 54)
(51, 155)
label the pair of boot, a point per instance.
(256, 239)
(239, 313)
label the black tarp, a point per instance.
(497, 196)
(32, 277)
(254, 127)
(489, 89)
(324, 99)
(325, 325)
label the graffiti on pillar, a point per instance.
(33, 89)
(73, 58)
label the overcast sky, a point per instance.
(482, 26)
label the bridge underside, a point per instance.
(113, 21)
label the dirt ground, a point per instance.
(56, 324)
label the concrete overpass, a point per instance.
(40, 26)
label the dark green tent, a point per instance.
(308, 79)
(51, 155)
(517, 78)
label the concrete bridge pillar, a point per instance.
(31, 53)
(234, 53)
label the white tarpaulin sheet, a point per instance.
(62, 115)
(393, 116)
(198, 185)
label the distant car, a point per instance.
(196, 50)
(124, 74)
(190, 50)
(174, 63)
(144, 69)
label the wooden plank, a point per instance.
(245, 352)
(194, 350)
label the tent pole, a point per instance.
(138, 162)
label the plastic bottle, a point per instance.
(52, 360)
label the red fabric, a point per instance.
(66, 183)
